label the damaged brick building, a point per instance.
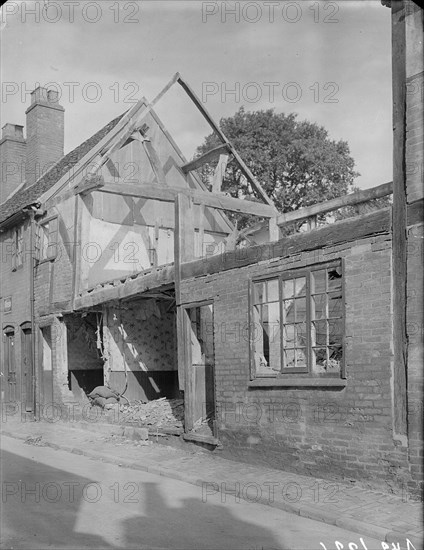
(303, 352)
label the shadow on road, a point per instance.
(45, 507)
(194, 524)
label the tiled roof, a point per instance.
(28, 195)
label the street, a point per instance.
(55, 499)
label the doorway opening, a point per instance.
(201, 370)
(27, 363)
(10, 364)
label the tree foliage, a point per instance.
(295, 161)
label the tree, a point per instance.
(295, 161)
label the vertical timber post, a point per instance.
(399, 256)
(183, 252)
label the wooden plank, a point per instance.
(312, 223)
(375, 223)
(399, 247)
(246, 171)
(274, 230)
(155, 162)
(334, 204)
(202, 109)
(231, 240)
(201, 227)
(183, 251)
(131, 287)
(88, 185)
(219, 173)
(183, 233)
(207, 157)
(168, 194)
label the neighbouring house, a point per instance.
(303, 352)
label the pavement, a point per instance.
(389, 518)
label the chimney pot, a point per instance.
(43, 95)
(14, 131)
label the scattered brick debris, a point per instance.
(161, 412)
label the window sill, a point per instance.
(297, 382)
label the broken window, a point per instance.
(298, 322)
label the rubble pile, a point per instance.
(161, 412)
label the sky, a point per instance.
(329, 62)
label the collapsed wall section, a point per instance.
(140, 349)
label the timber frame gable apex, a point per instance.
(136, 130)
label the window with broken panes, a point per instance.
(298, 322)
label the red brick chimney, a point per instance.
(45, 133)
(12, 159)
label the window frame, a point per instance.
(18, 247)
(42, 234)
(300, 373)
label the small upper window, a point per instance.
(18, 247)
(48, 240)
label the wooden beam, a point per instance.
(274, 230)
(251, 178)
(219, 173)
(246, 171)
(201, 227)
(345, 231)
(87, 185)
(132, 125)
(334, 204)
(183, 251)
(155, 162)
(202, 109)
(399, 235)
(184, 228)
(210, 155)
(153, 279)
(168, 194)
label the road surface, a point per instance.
(54, 499)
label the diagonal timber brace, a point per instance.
(243, 167)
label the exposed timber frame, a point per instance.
(199, 161)
(169, 194)
(399, 249)
(243, 167)
(359, 197)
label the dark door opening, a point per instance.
(27, 366)
(10, 364)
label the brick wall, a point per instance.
(330, 432)
(45, 133)
(14, 283)
(415, 257)
(12, 159)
